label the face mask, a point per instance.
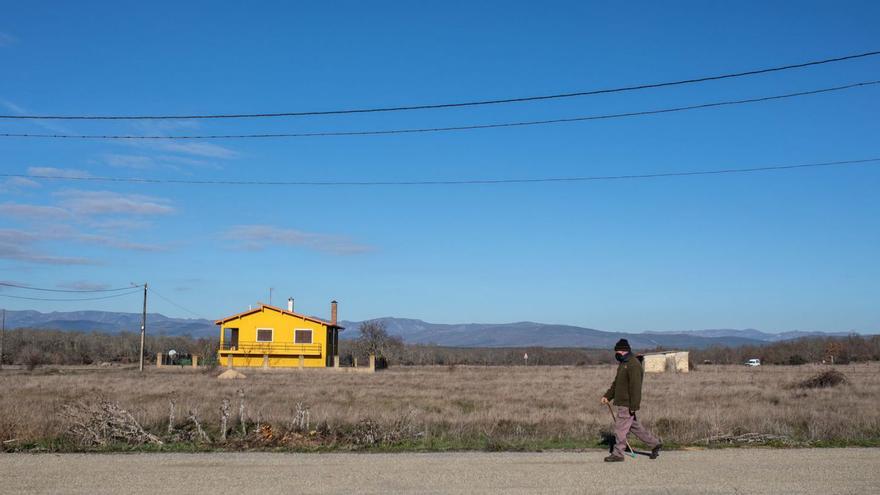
(621, 357)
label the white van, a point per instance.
(753, 362)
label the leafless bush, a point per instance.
(241, 415)
(194, 419)
(301, 418)
(368, 432)
(171, 416)
(224, 419)
(30, 356)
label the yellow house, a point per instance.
(270, 337)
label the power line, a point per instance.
(75, 299)
(637, 87)
(453, 128)
(233, 182)
(133, 286)
(178, 306)
(7, 284)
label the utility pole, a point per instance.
(143, 329)
(2, 331)
(270, 295)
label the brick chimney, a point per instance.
(333, 311)
(290, 304)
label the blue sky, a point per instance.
(775, 251)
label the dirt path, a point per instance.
(719, 471)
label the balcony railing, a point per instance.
(271, 348)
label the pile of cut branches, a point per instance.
(748, 439)
(105, 423)
(830, 378)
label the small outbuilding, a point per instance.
(667, 361)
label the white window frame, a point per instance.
(271, 339)
(311, 336)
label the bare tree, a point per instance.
(374, 339)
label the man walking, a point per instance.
(626, 392)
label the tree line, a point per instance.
(840, 350)
(35, 347)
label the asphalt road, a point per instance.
(805, 471)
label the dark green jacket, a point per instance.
(626, 390)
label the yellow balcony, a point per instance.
(271, 348)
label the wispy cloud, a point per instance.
(13, 236)
(33, 212)
(185, 160)
(116, 224)
(13, 107)
(18, 245)
(24, 245)
(259, 237)
(163, 126)
(83, 285)
(22, 182)
(78, 218)
(57, 172)
(45, 124)
(188, 148)
(16, 184)
(109, 202)
(18, 253)
(7, 39)
(164, 160)
(208, 150)
(129, 161)
(118, 243)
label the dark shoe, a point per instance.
(613, 458)
(655, 452)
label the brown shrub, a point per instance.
(830, 378)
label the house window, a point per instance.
(264, 335)
(302, 336)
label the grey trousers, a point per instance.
(623, 424)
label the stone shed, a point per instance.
(667, 361)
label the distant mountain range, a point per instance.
(522, 334)
(109, 322)
(529, 334)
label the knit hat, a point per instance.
(622, 345)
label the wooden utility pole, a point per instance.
(143, 330)
(2, 331)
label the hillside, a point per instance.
(413, 331)
(530, 334)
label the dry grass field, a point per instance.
(439, 408)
